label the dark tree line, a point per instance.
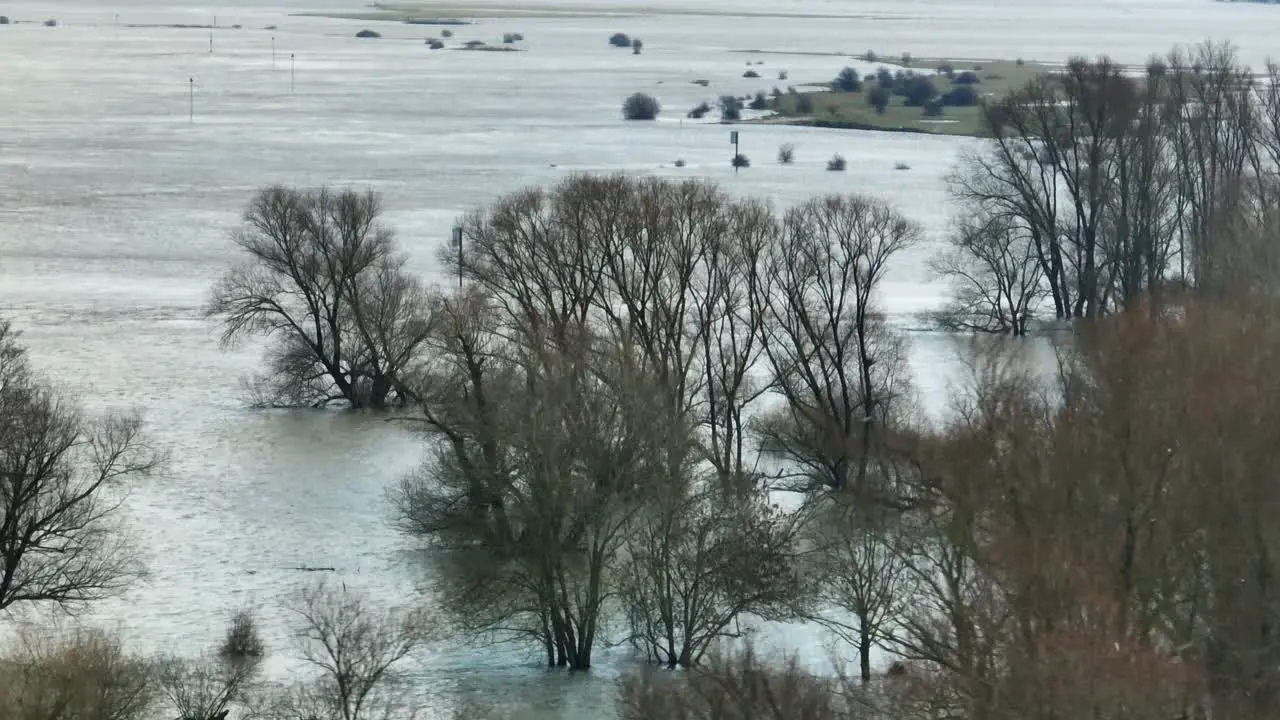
(1100, 189)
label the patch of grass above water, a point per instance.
(853, 110)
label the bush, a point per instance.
(700, 111)
(836, 163)
(242, 640)
(473, 44)
(919, 90)
(435, 44)
(960, 96)
(730, 109)
(368, 34)
(946, 69)
(4, 20)
(759, 102)
(804, 104)
(870, 56)
(786, 153)
(740, 161)
(885, 78)
(508, 38)
(620, 40)
(782, 74)
(879, 99)
(84, 674)
(51, 23)
(1019, 62)
(906, 59)
(446, 33)
(680, 162)
(967, 77)
(933, 108)
(640, 106)
(776, 94)
(847, 81)
(751, 74)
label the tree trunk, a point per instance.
(864, 649)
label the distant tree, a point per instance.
(620, 40)
(730, 109)
(750, 74)
(847, 81)
(804, 103)
(700, 111)
(879, 98)
(837, 163)
(968, 77)
(636, 46)
(933, 108)
(324, 283)
(960, 96)
(918, 90)
(62, 473)
(639, 106)
(786, 153)
(759, 102)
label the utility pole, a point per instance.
(191, 103)
(290, 73)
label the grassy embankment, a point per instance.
(853, 110)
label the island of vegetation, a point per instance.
(941, 96)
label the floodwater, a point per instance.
(126, 155)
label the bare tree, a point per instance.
(357, 650)
(698, 560)
(83, 673)
(205, 688)
(324, 284)
(839, 369)
(61, 478)
(997, 281)
(860, 584)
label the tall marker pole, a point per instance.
(191, 107)
(290, 73)
(733, 138)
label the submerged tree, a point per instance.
(62, 475)
(325, 285)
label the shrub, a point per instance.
(446, 33)
(885, 78)
(680, 162)
(700, 111)
(620, 40)
(879, 99)
(919, 90)
(775, 93)
(508, 38)
(960, 96)
(967, 77)
(368, 34)
(847, 81)
(1019, 62)
(4, 20)
(906, 59)
(786, 153)
(636, 46)
(759, 102)
(730, 109)
(640, 106)
(751, 74)
(782, 74)
(703, 83)
(804, 104)
(435, 44)
(242, 640)
(84, 674)
(836, 163)
(740, 161)
(946, 69)
(473, 44)
(870, 56)
(933, 108)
